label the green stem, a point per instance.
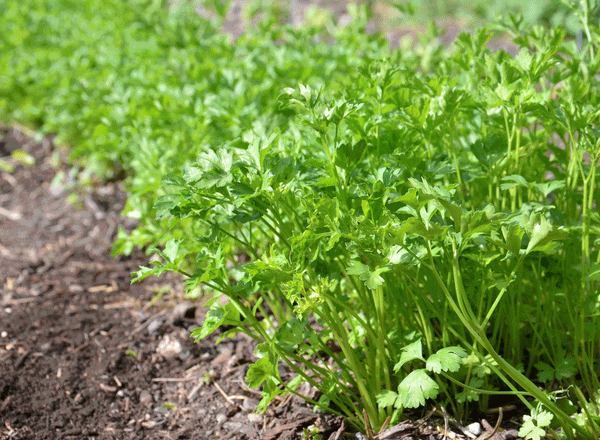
(526, 384)
(507, 282)
(480, 391)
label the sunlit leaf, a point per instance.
(416, 388)
(446, 359)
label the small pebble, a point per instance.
(169, 347)
(254, 418)
(154, 326)
(4, 334)
(145, 398)
(249, 404)
(474, 428)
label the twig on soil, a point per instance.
(173, 379)
(228, 398)
(488, 435)
(11, 215)
(194, 391)
(6, 253)
(284, 401)
(10, 179)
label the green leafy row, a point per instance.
(447, 205)
(362, 210)
(138, 91)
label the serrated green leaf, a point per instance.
(469, 395)
(269, 391)
(545, 372)
(166, 204)
(566, 368)
(409, 353)
(372, 279)
(242, 216)
(398, 255)
(548, 187)
(326, 182)
(490, 150)
(259, 371)
(416, 388)
(513, 181)
(145, 272)
(533, 424)
(524, 59)
(513, 235)
(530, 431)
(193, 174)
(387, 398)
(291, 334)
(446, 359)
(415, 226)
(455, 211)
(215, 316)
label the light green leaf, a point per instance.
(372, 279)
(214, 318)
(171, 250)
(530, 431)
(387, 398)
(446, 359)
(259, 371)
(291, 334)
(409, 353)
(513, 235)
(513, 181)
(192, 174)
(469, 395)
(145, 272)
(544, 418)
(269, 391)
(416, 388)
(549, 187)
(543, 236)
(533, 424)
(524, 59)
(398, 255)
